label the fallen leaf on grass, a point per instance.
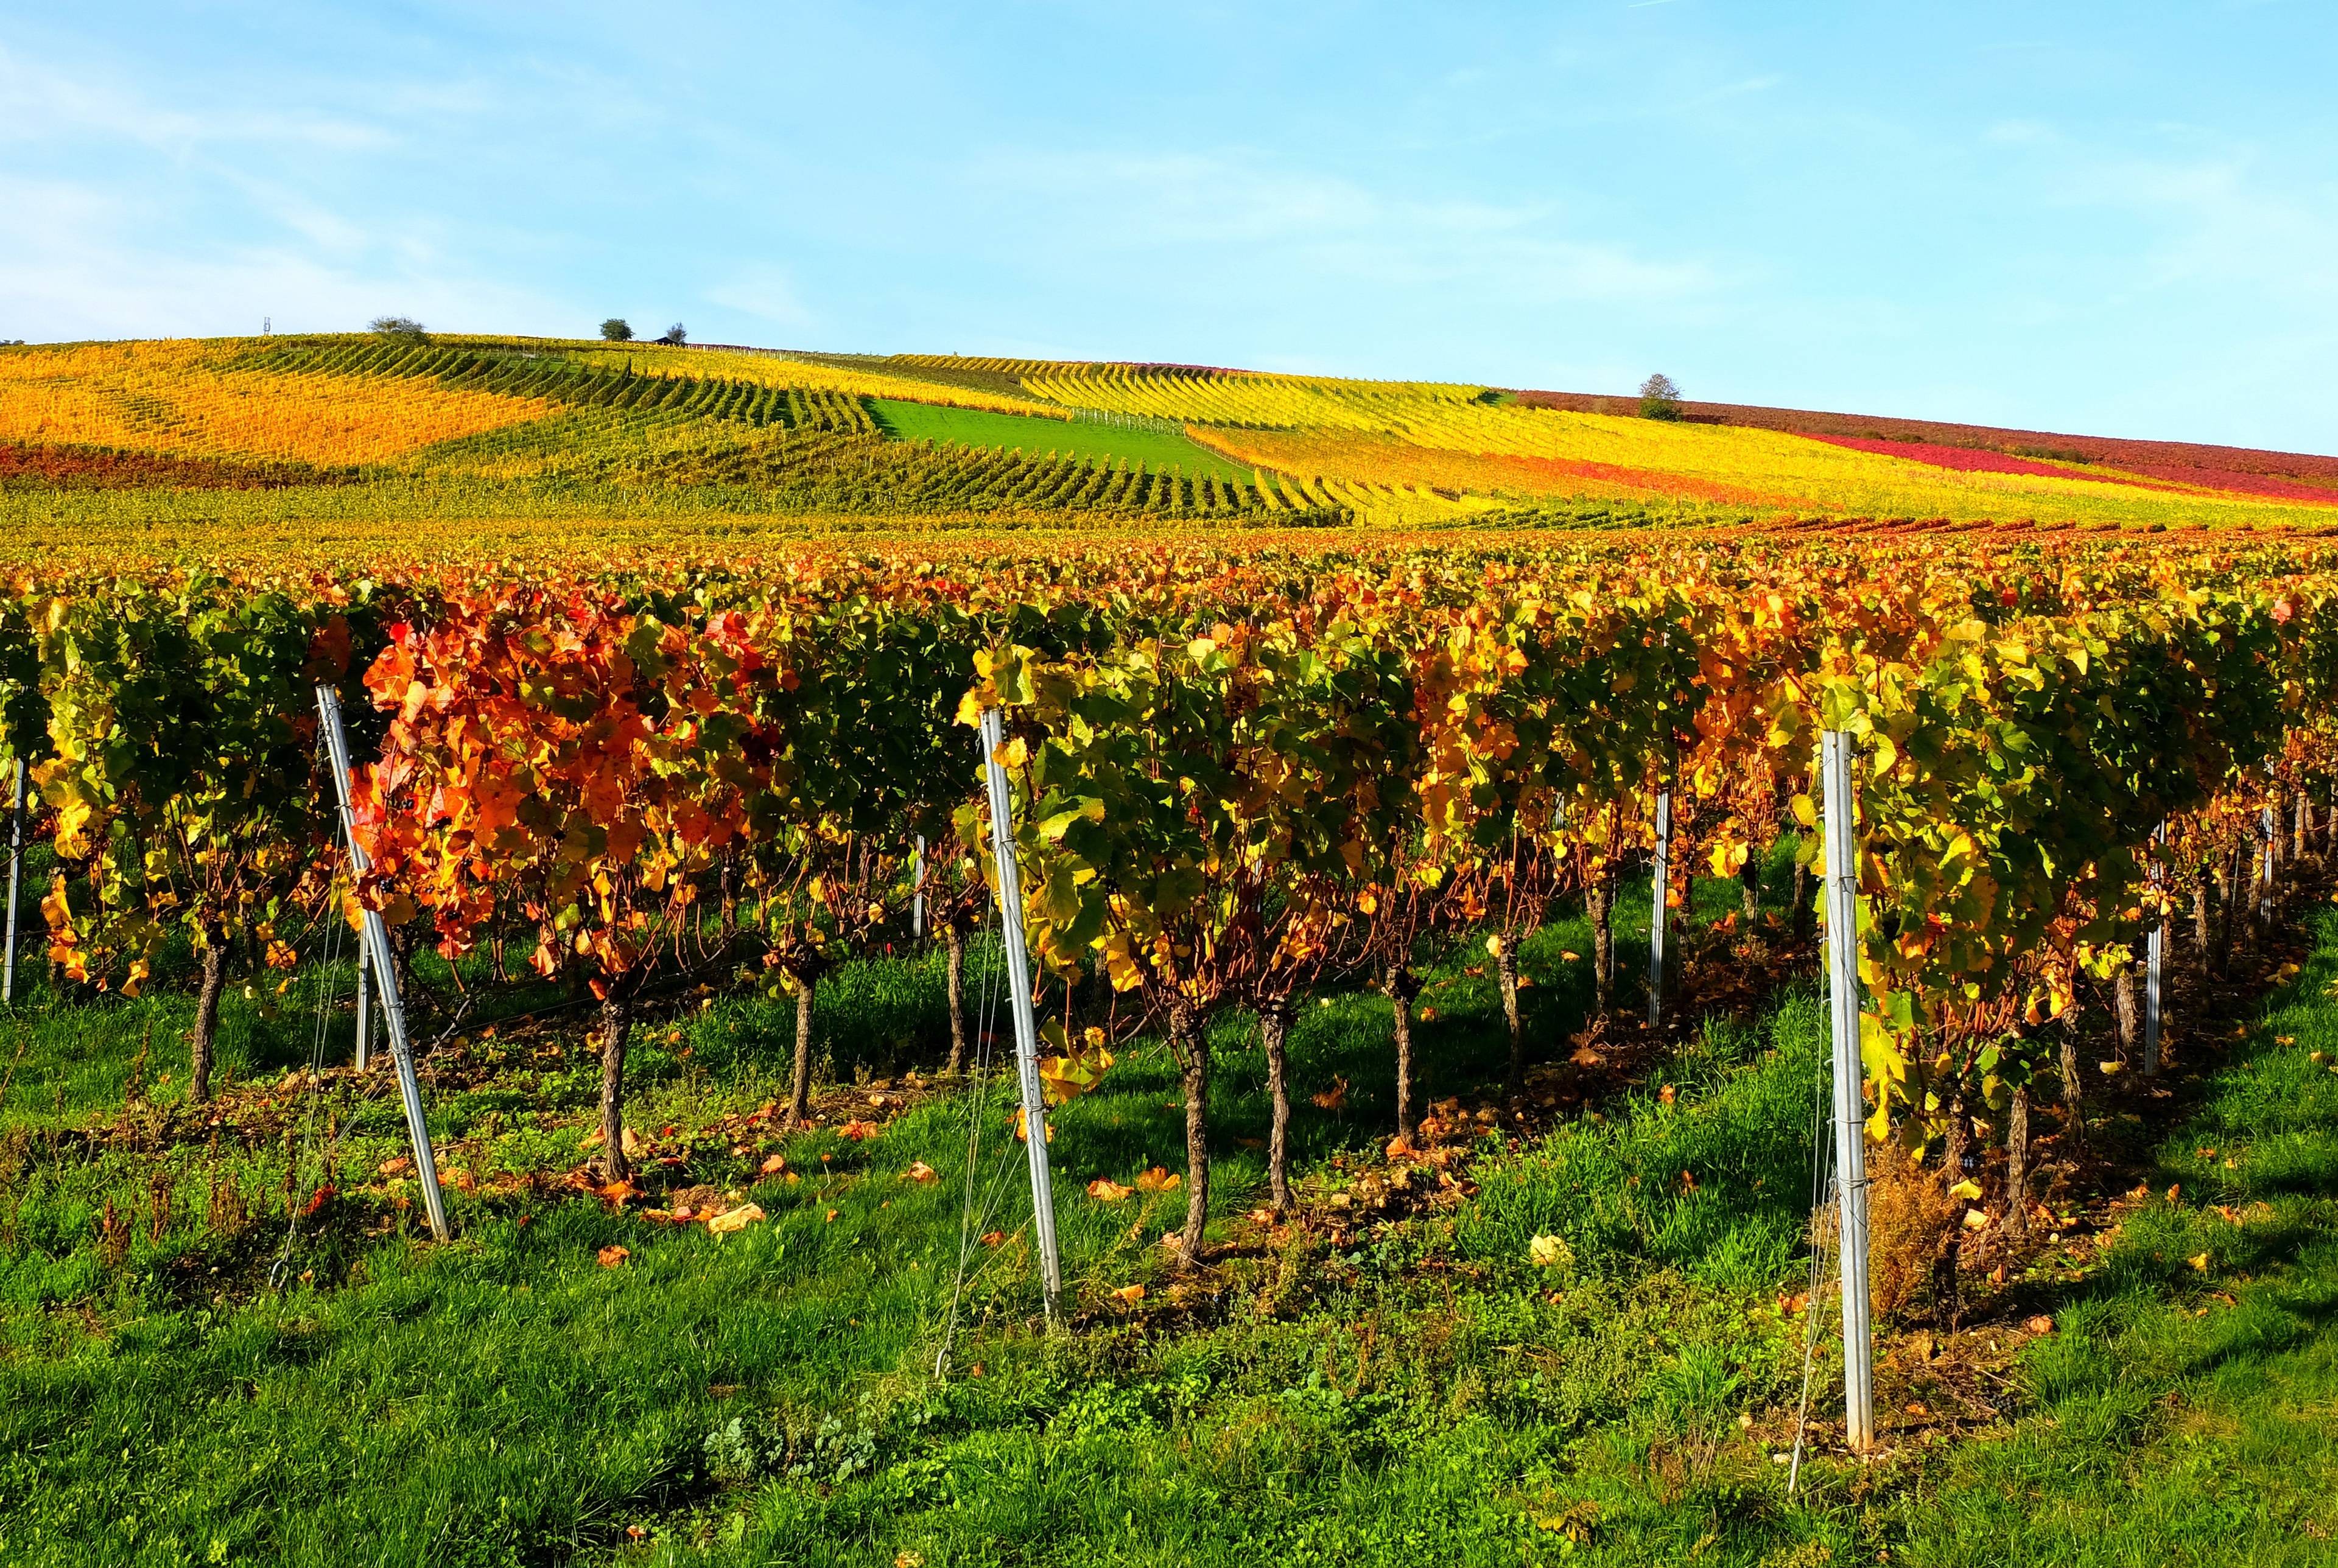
(611, 1256)
(831, 1216)
(1667, 1094)
(1157, 1181)
(2198, 1261)
(920, 1171)
(1129, 1293)
(1333, 1098)
(990, 1237)
(398, 1167)
(1550, 1252)
(1105, 1189)
(2040, 1324)
(738, 1219)
(857, 1130)
(616, 1194)
(775, 1165)
(1570, 955)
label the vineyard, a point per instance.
(977, 996)
(275, 432)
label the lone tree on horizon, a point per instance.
(675, 335)
(615, 330)
(1660, 399)
(396, 327)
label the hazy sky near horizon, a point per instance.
(2114, 219)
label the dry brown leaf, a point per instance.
(1157, 1181)
(738, 1219)
(611, 1256)
(1130, 1293)
(920, 1171)
(1105, 1189)
(775, 1165)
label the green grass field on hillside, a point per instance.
(1385, 1383)
(1156, 449)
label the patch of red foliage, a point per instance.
(97, 468)
(1973, 459)
(2242, 470)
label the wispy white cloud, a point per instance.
(1185, 204)
(768, 295)
(45, 101)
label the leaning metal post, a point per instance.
(1026, 1024)
(375, 938)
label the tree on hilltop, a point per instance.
(397, 326)
(615, 330)
(675, 335)
(1659, 397)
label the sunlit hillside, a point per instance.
(402, 426)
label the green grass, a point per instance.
(1155, 449)
(1389, 1391)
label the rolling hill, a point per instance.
(360, 425)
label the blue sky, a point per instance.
(2109, 217)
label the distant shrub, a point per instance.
(615, 330)
(398, 327)
(1660, 398)
(675, 335)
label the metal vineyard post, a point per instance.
(377, 943)
(1849, 1115)
(1026, 1026)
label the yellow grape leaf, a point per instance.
(738, 1219)
(1970, 1191)
(1063, 1078)
(1105, 1189)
